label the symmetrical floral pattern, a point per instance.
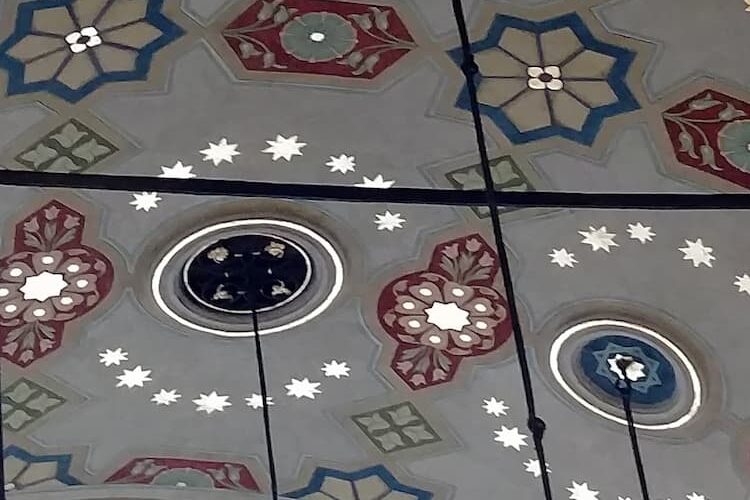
(186, 474)
(445, 313)
(539, 80)
(372, 483)
(397, 427)
(72, 47)
(322, 37)
(711, 132)
(24, 402)
(25, 471)
(50, 278)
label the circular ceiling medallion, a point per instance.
(212, 280)
(590, 360)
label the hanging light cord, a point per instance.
(266, 415)
(626, 389)
(470, 69)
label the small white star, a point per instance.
(378, 182)
(111, 357)
(218, 153)
(698, 253)
(302, 388)
(582, 492)
(695, 496)
(598, 238)
(133, 378)
(621, 498)
(178, 171)
(145, 201)
(563, 258)
(211, 403)
(389, 221)
(256, 401)
(511, 438)
(494, 407)
(165, 397)
(640, 232)
(743, 282)
(284, 148)
(342, 164)
(335, 369)
(532, 466)
(634, 370)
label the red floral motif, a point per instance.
(445, 313)
(323, 37)
(50, 279)
(711, 132)
(186, 473)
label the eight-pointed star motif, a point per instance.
(582, 492)
(532, 466)
(336, 369)
(343, 164)
(302, 388)
(563, 258)
(634, 370)
(378, 182)
(177, 171)
(447, 316)
(389, 221)
(165, 397)
(511, 438)
(145, 201)
(43, 286)
(698, 253)
(598, 238)
(255, 401)
(284, 148)
(743, 283)
(640, 232)
(134, 378)
(211, 402)
(494, 407)
(110, 357)
(218, 153)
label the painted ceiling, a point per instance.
(128, 363)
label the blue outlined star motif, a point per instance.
(324, 478)
(652, 366)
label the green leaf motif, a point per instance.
(68, 136)
(39, 155)
(20, 393)
(17, 420)
(91, 150)
(374, 422)
(402, 415)
(390, 441)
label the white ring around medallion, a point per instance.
(692, 373)
(338, 279)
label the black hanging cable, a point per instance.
(626, 390)
(266, 415)
(469, 67)
(2, 448)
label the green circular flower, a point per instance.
(318, 37)
(734, 144)
(184, 477)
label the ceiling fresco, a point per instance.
(127, 352)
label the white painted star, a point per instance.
(133, 378)
(511, 438)
(211, 403)
(342, 164)
(582, 492)
(284, 148)
(563, 258)
(110, 357)
(165, 397)
(598, 238)
(634, 370)
(378, 182)
(640, 232)
(335, 369)
(494, 407)
(743, 282)
(302, 388)
(256, 401)
(532, 466)
(698, 253)
(178, 171)
(621, 498)
(145, 201)
(218, 153)
(389, 221)
(695, 496)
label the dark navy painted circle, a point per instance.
(659, 384)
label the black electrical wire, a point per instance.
(2, 447)
(626, 389)
(536, 425)
(266, 414)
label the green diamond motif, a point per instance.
(396, 428)
(24, 402)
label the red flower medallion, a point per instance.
(322, 37)
(444, 313)
(51, 278)
(711, 132)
